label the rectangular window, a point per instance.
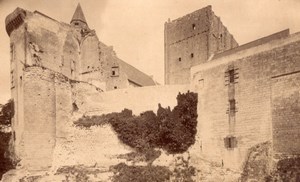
(115, 71)
(72, 66)
(230, 142)
(12, 83)
(231, 76)
(179, 59)
(192, 55)
(12, 52)
(232, 105)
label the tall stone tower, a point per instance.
(191, 40)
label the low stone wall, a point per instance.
(95, 146)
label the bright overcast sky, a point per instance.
(135, 28)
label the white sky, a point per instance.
(136, 27)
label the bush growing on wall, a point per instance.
(5, 162)
(124, 173)
(6, 114)
(172, 130)
(179, 127)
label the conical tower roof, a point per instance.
(78, 15)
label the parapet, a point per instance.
(15, 20)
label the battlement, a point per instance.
(15, 20)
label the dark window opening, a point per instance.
(115, 71)
(194, 27)
(12, 78)
(179, 59)
(11, 52)
(192, 55)
(115, 87)
(232, 107)
(230, 142)
(76, 23)
(231, 76)
(75, 107)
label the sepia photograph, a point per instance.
(150, 91)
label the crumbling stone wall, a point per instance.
(38, 136)
(190, 41)
(248, 121)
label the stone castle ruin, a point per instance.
(248, 95)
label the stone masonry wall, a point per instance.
(50, 62)
(91, 102)
(48, 40)
(251, 121)
(17, 51)
(38, 138)
(190, 40)
(99, 145)
(286, 114)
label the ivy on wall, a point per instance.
(172, 130)
(6, 114)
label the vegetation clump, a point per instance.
(6, 114)
(125, 173)
(287, 169)
(172, 130)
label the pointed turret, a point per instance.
(78, 19)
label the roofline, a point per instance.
(266, 46)
(178, 19)
(278, 35)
